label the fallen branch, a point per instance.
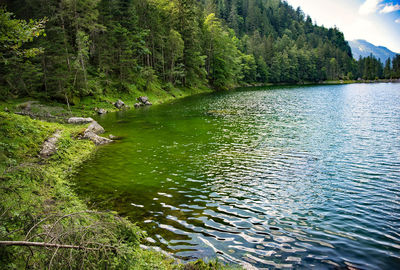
(42, 244)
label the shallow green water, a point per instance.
(283, 177)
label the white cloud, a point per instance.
(390, 8)
(345, 15)
(397, 21)
(369, 6)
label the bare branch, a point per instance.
(52, 257)
(42, 244)
(37, 224)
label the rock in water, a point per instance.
(49, 146)
(137, 105)
(80, 120)
(119, 104)
(96, 138)
(92, 132)
(95, 128)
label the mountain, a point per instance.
(363, 48)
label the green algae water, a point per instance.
(293, 177)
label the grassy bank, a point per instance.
(38, 204)
(87, 106)
(36, 199)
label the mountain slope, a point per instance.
(363, 48)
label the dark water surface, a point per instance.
(304, 177)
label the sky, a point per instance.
(376, 21)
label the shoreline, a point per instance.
(44, 196)
(334, 82)
(48, 182)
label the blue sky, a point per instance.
(377, 21)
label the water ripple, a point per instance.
(269, 178)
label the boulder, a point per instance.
(49, 146)
(143, 100)
(112, 137)
(6, 109)
(119, 104)
(101, 111)
(96, 138)
(80, 120)
(95, 128)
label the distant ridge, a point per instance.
(363, 48)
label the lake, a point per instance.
(275, 177)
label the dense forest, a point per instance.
(66, 49)
(371, 68)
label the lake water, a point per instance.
(304, 177)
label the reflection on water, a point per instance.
(271, 178)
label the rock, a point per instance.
(114, 138)
(143, 101)
(96, 138)
(92, 132)
(6, 109)
(100, 111)
(80, 120)
(49, 146)
(119, 104)
(95, 128)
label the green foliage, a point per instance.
(201, 265)
(19, 76)
(387, 71)
(15, 33)
(396, 67)
(222, 63)
(370, 68)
